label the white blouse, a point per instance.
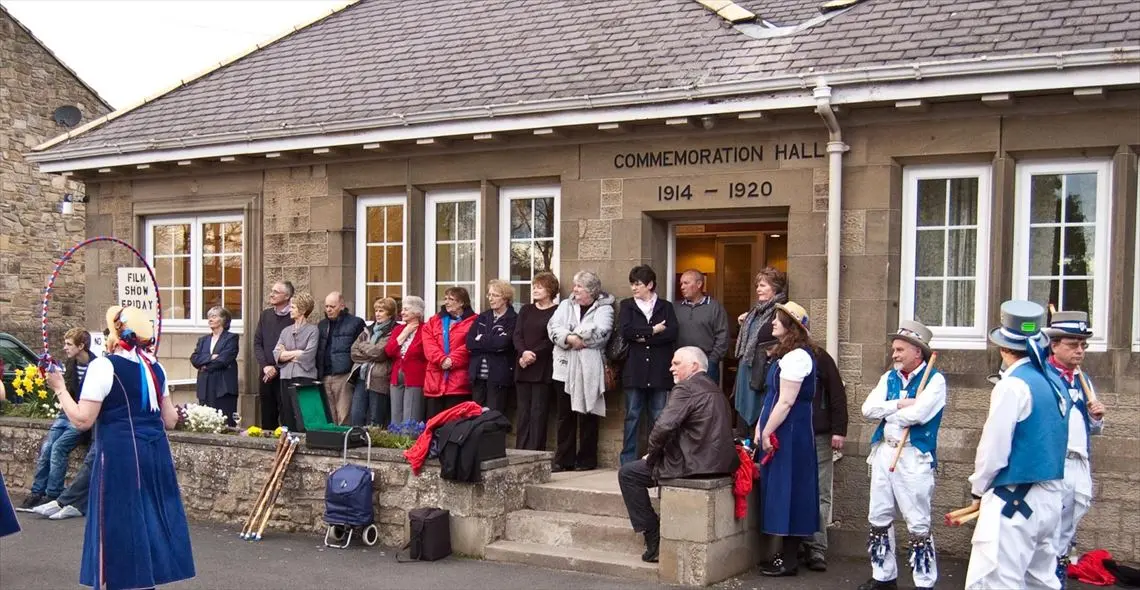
(795, 366)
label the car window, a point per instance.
(14, 357)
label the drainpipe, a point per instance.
(835, 149)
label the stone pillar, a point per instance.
(702, 542)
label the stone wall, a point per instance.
(33, 232)
(221, 476)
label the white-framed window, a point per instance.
(453, 245)
(1061, 238)
(528, 235)
(199, 262)
(381, 250)
(945, 248)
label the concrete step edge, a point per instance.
(572, 559)
(595, 520)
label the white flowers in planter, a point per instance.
(199, 418)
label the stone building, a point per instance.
(901, 160)
(34, 83)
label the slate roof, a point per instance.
(380, 57)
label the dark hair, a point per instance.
(795, 334)
(547, 281)
(775, 277)
(643, 274)
(459, 293)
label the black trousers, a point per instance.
(489, 395)
(285, 401)
(269, 394)
(635, 478)
(226, 404)
(435, 405)
(532, 415)
(577, 434)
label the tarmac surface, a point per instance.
(45, 555)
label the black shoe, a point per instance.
(816, 562)
(585, 468)
(652, 546)
(31, 501)
(556, 468)
(874, 584)
(778, 567)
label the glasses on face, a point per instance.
(1075, 344)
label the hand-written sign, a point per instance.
(736, 154)
(137, 290)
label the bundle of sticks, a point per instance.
(263, 506)
(961, 516)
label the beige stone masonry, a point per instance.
(702, 541)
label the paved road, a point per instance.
(45, 556)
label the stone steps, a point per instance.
(577, 522)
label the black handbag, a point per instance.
(617, 348)
(430, 538)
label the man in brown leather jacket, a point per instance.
(692, 437)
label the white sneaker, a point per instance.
(68, 511)
(47, 509)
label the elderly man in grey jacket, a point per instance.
(702, 320)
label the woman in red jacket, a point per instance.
(446, 383)
(406, 349)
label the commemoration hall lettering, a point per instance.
(738, 154)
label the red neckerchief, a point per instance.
(1067, 374)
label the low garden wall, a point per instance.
(221, 475)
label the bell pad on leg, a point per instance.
(879, 544)
(921, 552)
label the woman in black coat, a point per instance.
(649, 324)
(215, 357)
(490, 342)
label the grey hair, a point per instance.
(223, 314)
(589, 281)
(414, 304)
(694, 354)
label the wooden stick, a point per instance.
(961, 520)
(921, 388)
(1088, 388)
(961, 511)
(277, 454)
(276, 489)
(264, 498)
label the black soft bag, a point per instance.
(430, 535)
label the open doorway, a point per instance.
(729, 254)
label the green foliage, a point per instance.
(385, 439)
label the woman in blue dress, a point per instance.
(8, 523)
(788, 479)
(137, 535)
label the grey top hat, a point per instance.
(1069, 324)
(915, 333)
(1020, 321)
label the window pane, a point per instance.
(211, 238)
(522, 295)
(233, 237)
(395, 292)
(928, 302)
(210, 298)
(1045, 292)
(395, 231)
(962, 254)
(372, 292)
(1080, 243)
(1045, 199)
(164, 271)
(963, 201)
(1044, 247)
(520, 261)
(544, 256)
(175, 304)
(930, 254)
(439, 295)
(544, 217)
(232, 271)
(232, 302)
(171, 239)
(1077, 295)
(444, 263)
(465, 267)
(931, 202)
(1080, 198)
(960, 303)
(521, 218)
(211, 271)
(466, 220)
(445, 221)
(395, 255)
(374, 224)
(374, 266)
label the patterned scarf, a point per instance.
(750, 329)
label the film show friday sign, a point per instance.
(137, 290)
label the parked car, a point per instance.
(14, 355)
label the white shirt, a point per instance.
(101, 376)
(925, 408)
(1010, 402)
(646, 307)
(795, 366)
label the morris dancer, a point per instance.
(8, 523)
(1068, 333)
(894, 404)
(1017, 482)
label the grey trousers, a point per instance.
(407, 402)
(818, 541)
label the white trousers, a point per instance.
(1075, 501)
(910, 488)
(1017, 552)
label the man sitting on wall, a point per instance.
(692, 437)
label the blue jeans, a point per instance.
(51, 465)
(635, 402)
(714, 372)
(76, 493)
(368, 406)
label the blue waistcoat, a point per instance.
(1040, 441)
(1081, 405)
(924, 437)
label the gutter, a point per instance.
(835, 150)
(1084, 68)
